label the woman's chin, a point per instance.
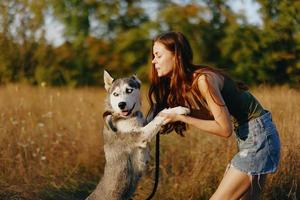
(164, 75)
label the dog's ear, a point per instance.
(136, 79)
(108, 80)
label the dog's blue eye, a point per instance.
(129, 90)
(115, 94)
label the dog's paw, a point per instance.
(160, 119)
(178, 110)
(181, 110)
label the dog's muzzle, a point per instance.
(127, 112)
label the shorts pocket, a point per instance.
(248, 143)
(243, 132)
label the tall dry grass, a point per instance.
(51, 147)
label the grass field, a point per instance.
(51, 147)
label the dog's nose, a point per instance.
(122, 105)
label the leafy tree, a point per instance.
(116, 35)
(280, 40)
(21, 27)
(242, 51)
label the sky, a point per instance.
(54, 29)
(249, 7)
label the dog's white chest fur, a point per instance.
(130, 125)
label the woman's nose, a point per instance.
(153, 61)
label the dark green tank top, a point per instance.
(242, 105)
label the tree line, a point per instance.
(116, 35)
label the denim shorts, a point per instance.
(259, 146)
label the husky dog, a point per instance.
(126, 138)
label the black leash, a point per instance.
(156, 167)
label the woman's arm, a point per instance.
(221, 125)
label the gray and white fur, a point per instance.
(126, 138)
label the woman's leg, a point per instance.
(233, 185)
(254, 191)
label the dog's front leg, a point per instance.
(151, 129)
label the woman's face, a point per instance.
(163, 60)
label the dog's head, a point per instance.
(124, 94)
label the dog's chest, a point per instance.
(129, 125)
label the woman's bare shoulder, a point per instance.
(210, 79)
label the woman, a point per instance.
(218, 106)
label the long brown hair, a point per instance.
(173, 90)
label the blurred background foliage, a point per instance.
(116, 35)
